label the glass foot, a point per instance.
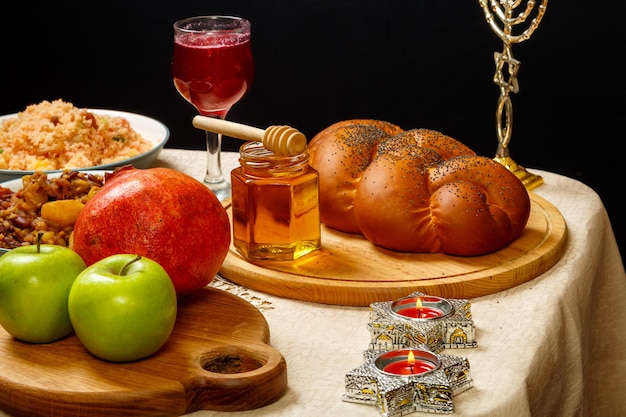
(222, 189)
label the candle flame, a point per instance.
(418, 303)
(411, 358)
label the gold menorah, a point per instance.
(505, 10)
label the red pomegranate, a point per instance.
(159, 213)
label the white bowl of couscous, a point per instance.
(56, 135)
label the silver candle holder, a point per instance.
(454, 328)
(507, 12)
(398, 395)
(403, 370)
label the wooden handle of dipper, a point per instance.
(282, 140)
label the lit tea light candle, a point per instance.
(407, 362)
(422, 307)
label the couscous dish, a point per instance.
(56, 135)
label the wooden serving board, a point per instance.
(217, 358)
(350, 270)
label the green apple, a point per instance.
(35, 283)
(123, 307)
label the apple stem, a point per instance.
(127, 264)
(39, 236)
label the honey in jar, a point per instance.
(275, 205)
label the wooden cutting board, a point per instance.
(217, 358)
(350, 270)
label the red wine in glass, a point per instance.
(213, 69)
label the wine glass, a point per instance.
(212, 68)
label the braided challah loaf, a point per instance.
(416, 190)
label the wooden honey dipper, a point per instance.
(282, 140)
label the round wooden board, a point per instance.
(350, 270)
(217, 358)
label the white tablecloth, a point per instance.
(554, 346)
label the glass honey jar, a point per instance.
(275, 205)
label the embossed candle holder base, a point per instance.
(527, 178)
(391, 327)
(431, 390)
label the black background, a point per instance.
(415, 63)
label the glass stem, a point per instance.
(214, 178)
(214, 173)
